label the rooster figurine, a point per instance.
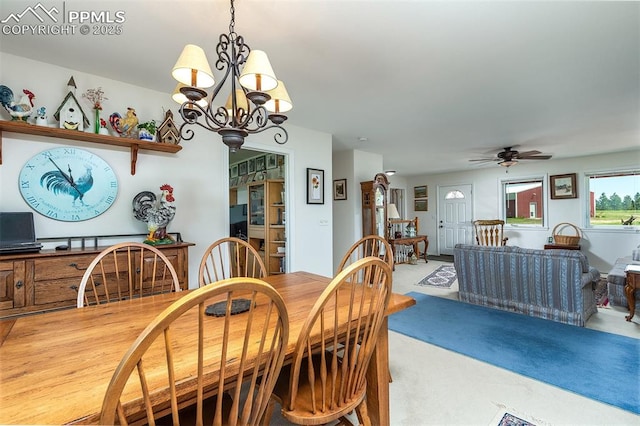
(125, 126)
(20, 110)
(157, 212)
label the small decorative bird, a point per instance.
(157, 212)
(125, 126)
(20, 110)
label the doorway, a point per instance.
(257, 204)
(454, 217)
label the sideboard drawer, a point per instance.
(62, 267)
(60, 293)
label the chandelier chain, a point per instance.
(232, 22)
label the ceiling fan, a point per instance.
(509, 157)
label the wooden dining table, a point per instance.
(55, 367)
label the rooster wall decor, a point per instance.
(68, 184)
(125, 126)
(17, 109)
(157, 211)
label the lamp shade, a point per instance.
(257, 73)
(192, 68)
(180, 98)
(392, 211)
(280, 101)
(241, 103)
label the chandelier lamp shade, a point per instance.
(255, 99)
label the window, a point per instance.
(524, 202)
(614, 198)
(453, 195)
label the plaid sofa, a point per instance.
(551, 284)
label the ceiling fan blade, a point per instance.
(527, 153)
(534, 157)
(485, 159)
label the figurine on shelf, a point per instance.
(103, 127)
(126, 126)
(20, 110)
(41, 116)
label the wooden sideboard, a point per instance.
(49, 280)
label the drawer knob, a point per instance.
(19, 284)
(75, 265)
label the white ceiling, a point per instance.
(429, 84)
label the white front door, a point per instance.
(454, 217)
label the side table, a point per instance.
(633, 282)
(411, 241)
(560, 247)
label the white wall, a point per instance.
(198, 173)
(602, 247)
(356, 166)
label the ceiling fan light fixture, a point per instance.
(508, 163)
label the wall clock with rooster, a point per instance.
(68, 184)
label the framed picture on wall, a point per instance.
(272, 162)
(421, 205)
(242, 168)
(260, 165)
(233, 171)
(420, 191)
(315, 186)
(340, 189)
(251, 165)
(563, 186)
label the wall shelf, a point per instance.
(52, 132)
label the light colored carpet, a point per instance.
(434, 386)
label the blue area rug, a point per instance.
(598, 365)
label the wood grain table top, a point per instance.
(55, 367)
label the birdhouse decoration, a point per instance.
(167, 131)
(70, 114)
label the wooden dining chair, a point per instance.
(371, 245)
(327, 377)
(489, 232)
(230, 257)
(124, 271)
(185, 358)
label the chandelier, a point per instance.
(256, 102)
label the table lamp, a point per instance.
(392, 213)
